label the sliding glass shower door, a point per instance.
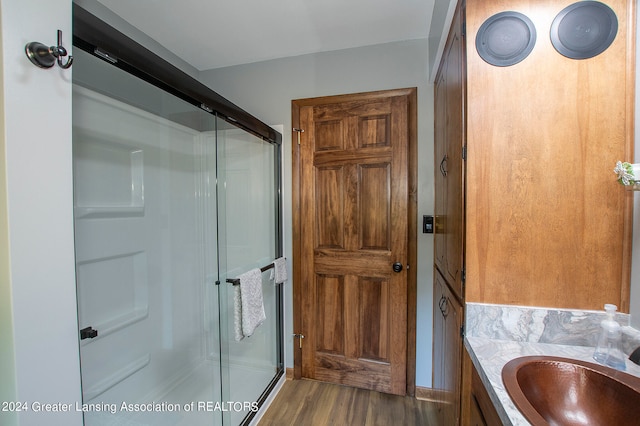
(247, 213)
(170, 202)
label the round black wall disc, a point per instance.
(505, 38)
(584, 29)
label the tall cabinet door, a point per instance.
(447, 350)
(452, 367)
(449, 181)
(449, 151)
(439, 355)
(440, 176)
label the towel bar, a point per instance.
(236, 281)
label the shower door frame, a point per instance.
(99, 39)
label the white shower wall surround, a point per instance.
(148, 228)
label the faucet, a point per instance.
(635, 356)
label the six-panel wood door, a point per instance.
(353, 227)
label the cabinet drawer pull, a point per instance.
(443, 166)
(441, 304)
(445, 307)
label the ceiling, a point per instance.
(213, 34)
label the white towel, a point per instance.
(280, 266)
(237, 314)
(252, 303)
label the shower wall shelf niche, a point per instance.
(113, 188)
(108, 211)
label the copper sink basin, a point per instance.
(559, 391)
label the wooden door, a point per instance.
(440, 176)
(447, 350)
(353, 198)
(454, 164)
(449, 144)
(452, 365)
(439, 341)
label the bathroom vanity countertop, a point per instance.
(490, 355)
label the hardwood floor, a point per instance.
(311, 403)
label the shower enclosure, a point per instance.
(172, 199)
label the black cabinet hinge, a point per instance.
(462, 331)
(464, 152)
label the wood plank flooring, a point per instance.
(312, 403)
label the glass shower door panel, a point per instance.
(247, 237)
(142, 259)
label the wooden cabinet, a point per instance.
(484, 411)
(546, 222)
(449, 146)
(477, 407)
(449, 223)
(447, 351)
(475, 415)
(528, 210)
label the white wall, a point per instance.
(266, 90)
(38, 205)
(443, 11)
(7, 361)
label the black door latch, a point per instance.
(88, 333)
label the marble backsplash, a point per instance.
(543, 325)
